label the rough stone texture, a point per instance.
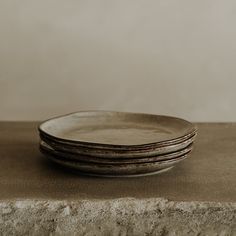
(38, 198)
(124, 216)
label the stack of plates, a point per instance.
(116, 143)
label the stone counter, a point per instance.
(197, 197)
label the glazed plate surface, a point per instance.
(116, 129)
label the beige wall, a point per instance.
(161, 56)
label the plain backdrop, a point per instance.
(157, 56)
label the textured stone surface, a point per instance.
(125, 216)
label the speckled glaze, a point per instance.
(121, 170)
(45, 148)
(117, 130)
(116, 143)
(110, 154)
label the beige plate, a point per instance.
(125, 170)
(109, 154)
(117, 130)
(45, 148)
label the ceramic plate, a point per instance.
(70, 156)
(116, 130)
(121, 170)
(109, 154)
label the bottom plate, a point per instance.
(120, 176)
(123, 170)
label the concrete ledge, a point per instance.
(124, 216)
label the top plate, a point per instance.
(118, 129)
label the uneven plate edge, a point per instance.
(193, 130)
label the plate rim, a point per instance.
(172, 161)
(111, 154)
(129, 160)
